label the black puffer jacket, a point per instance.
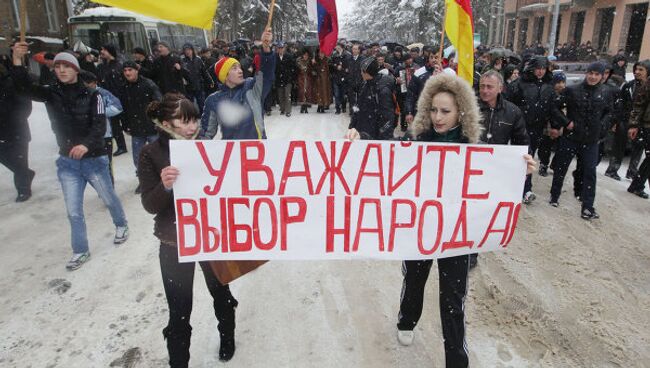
(503, 124)
(135, 98)
(590, 110)
(376, 116)
(420, 77)
(14, 111)
(75, 111)
(535, 97)
(167, 77)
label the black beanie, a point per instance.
(110, 49)
(596, 66)
(130, 64)
(370, 65)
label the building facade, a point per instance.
(610, 25)
(46, 23)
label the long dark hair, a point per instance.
(173, 106)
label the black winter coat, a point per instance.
(534, 97)
(146, 67)
(76, 112)
(343, 60)
(588, 107)
(14, 111)
(376, 116)
(629, 91)
(135, 98)
(198, 78)
(109, 76)
(167, 77)
(285, 69)
(504, 124)
(354, 76)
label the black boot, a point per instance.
(338, 111)
(227, 348)
(178, 346)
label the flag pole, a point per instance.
(23, 19)
(268, 23)
(442, 34)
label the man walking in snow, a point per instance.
(79, 122)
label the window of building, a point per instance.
(52, 16)
(15, 7)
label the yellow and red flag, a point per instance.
(459, 27)
(197, 13)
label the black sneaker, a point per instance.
(554, 203)
(613, 176)
(226, 348)
(120, 151)
(22, 197)
(641, 193)
(543, 170)
(288, 114)
(589, 214)
(629, 175)
(338, 112)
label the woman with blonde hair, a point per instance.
(447, 111)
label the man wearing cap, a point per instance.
(588, 113)
(237, 108)
(78, 120)
(374, 114)
(136, 94)
(145, 64)
(168, 71)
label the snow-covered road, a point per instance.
(566, 293)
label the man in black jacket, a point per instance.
(639, 130)
(199, 80)
(374, 117)
(136, 94)
(168, 72)
(339, 70)
(502, 121)
(533, 93)
(15, 134)
(144, 61)
(285, 71)
(77, 117)
(354, 80)
(624, 107)
(110, 78)
(588, 116)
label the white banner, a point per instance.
(320, 200)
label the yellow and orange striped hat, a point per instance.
(223, 66)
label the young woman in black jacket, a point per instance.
(177, 118)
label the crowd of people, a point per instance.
(409, 94)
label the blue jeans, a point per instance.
(338, 89)
(136, 146)
(73, 176)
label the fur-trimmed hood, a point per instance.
(470, 115)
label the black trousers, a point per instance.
(635, 157)
(588, 159)
(643, 175)
(452, 273)
(536, 143)
(14, 156)
(178, 280)
(617, 148)
(116, 128)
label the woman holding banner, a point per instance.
(176, 117)
(447, 111)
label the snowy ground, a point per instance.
(566, 293)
